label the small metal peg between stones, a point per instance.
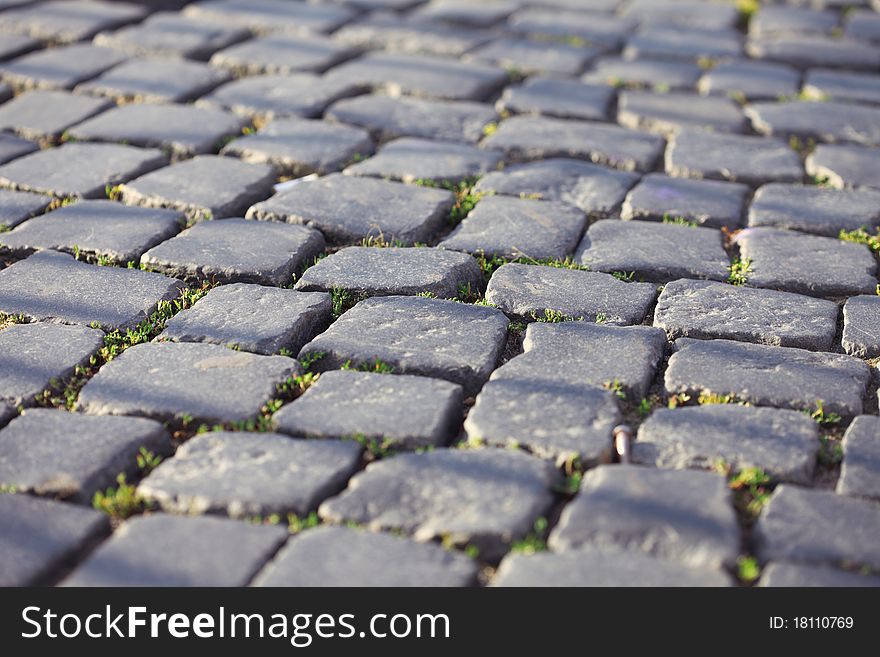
(622, 452)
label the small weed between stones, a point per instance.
(376, 366)
(535, 541)
(374, 448)
(465, 196)
(123, 500)
(9, 320)
(740, 269)
(679, 221)
(751, 490)
(344, 300)
(747, 569)
(822, 417)
(830, 451)
(550, 316)
(616, 387)
(862, 236)
(624, 276)
(708, 398)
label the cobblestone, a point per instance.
(861, 319)
(860, 473)
(705, 202)
(814, 210)
(59, 68)
(845, 166)
(47, 114)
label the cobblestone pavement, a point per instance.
(358, 292)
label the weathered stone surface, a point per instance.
(12, 147)
(860, 473)
(183, 129)
(279, 96)
(605, 568)
(213, 250)
(513, 227)
(778, 573)
(169, 34)
(462, 12)
(40, 288)
(47, 114)
(596, 190)
(16, 207)
(342, 556)
(298, 147)
(68, 455)
(34, 355)
(667, 113)
(349, 208)
(526, 291)
(814, 209)
(792, 20)
(393, 33)
(82, 170)
(264, 16)
(205, 187)
(59, 21)
(706, 202)
(737, 158)
(244, 474)
(860, 87)
(861, 326)
(585, 354)
(565, 99)
(13, 45)
(484, 498)
(524, 138)
(375, 271)
(643, 73)
(666, 42)
(684, 516)
(164, 550)
(845, 166)
(804, 51)
(202, 382)
(531, 57)
(550, 420)
(41, 537)
(421, 75)
(396, 411)
(282, 54)
(807, 264)
(411, 159)
(387, 118)
(829, 121)
(155, 81)
(784, 444)
(707, 310)
(254, 318)
(602, 29)
(863, 24)
(95, 228)
(784, 377)
(816, 526)
(752, 80)
(416, 335)
(59, 68)
(655, 252)
(683, 13)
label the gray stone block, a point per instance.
(348, 208)
(655, 252)
(512, 228)
(737, 158)
(244, 474)
(683, 14)
(204, 383)
(643, 73)
(212, 250)
(807, 264)
(828, 122)
(667, 113)
(526, 291)
(827, 84)
(684, 516)
(783, 377)
(585, 354)
(40, 288)
(804, 51)
(13, 45)
(818, 527)
(862, 24)
(182, 129)
(59, 68)
(666, 42)
(95, 228)
(16, 207)
(860, 473)
(33, 356)
(566, 99)
(254, 318)
(41, 537)
(12, 147)
(47, 114)
(461, 12)
(792, 20)
(778, 573)
(705, 202)
(601, 568)
(72, 456)
(298, 147)
(861, 326)
(750, 79)
(524, 138)
(164, 550)
(533, 57)
(412, 159)
(282, 54)
(394, 33)
(65, 22)
(205, 187)
(484, 498)
(784, 444)
(415, 335)
(264, 16)
(400, 411)
(79, 170)
(845, 166)
(555, 421)
(814, 209)
(374, 271)
(596, 190)
(604, 30)
(155, 81)
(387, 118)
(341, 556)
(708, 310)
